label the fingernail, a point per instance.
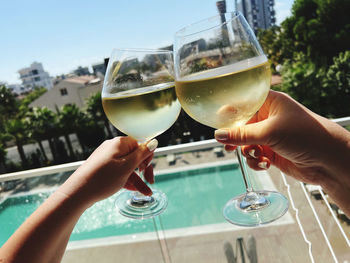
(252, 153)
(263, 165)
(149, 192)
(152, 145)
(221, 134)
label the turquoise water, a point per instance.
(196, 198)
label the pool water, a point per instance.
(196, 197)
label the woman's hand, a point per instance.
(299, 142)
(111, 167)
(43, 237)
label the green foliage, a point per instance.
(70, 118)
(325, 90)
(17, 129)
(303, 81)
(36, 93)
(336, 84)
(3, 153)
(8, 104)
(42, 123)
(272, 43)
(94, 107)
(313, 46)
(318, 28)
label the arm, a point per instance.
(43, 237)
(299, 142)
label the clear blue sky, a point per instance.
(63, 35)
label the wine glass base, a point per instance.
(141, 210)
(267, 207)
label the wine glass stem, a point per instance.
(242, 165)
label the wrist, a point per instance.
(74, 191)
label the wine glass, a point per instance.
(139, 99)
(222, 78)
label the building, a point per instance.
(35, 76)
(99, 68)
(74, 90)
(18, 88)
(259, 13)
(82, 71)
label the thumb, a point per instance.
(253, 133)
(135, 158)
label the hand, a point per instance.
(43, 237)
(299, 142)
(111, 167)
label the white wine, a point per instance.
(227, 96)
(143, 113)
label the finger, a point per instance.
(230, 148)
(269, 154)
(136, 182)
(129, 185)
(123, 145)
(252, 151)
(146, 162)
(135, 158)
(249, 134)
(262, 163)
(148, 174)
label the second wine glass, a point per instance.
(222, 79)
(139, 99)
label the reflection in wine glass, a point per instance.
(139, 99)
(222, 79)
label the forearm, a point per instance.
(337, 166)
(44, 235)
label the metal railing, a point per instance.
(202, 145)
(193, 146)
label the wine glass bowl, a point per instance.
(139, 99)
(222, 78)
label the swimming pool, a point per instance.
(196, 197)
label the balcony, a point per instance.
(198, 179)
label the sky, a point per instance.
(65, 34)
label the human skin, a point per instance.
(301, 143)
(43, 237)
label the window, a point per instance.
(35, 72)
(37, 79)
(64, 92)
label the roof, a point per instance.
(81, 79)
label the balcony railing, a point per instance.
(313, 230)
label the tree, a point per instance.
(8, 104)
(36, 122)
(272, 42)
(18, 131)
(336, 85)
(95, 109)
(318, 28)
(3, 153)
(68, 119)
(47, 129)
(303, 81)
(36, 93)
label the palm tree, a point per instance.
(17, 129)
(36, 123)
(69, 118)
(47, 127)
(8, 104)
(3, 151)
(95, 109)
